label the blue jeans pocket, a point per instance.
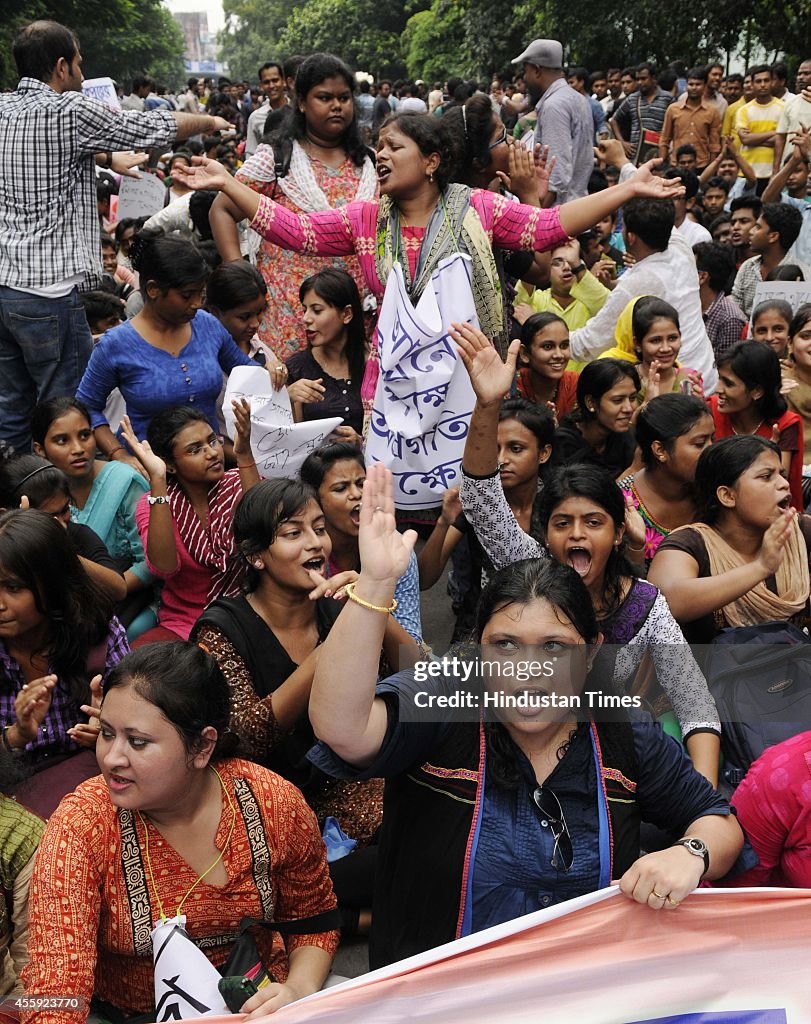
(37, 336)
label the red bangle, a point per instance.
(111, 453)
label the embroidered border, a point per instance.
(617, 776)
(135, 884)
(450, 773)
(260, 852)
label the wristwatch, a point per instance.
(161, 499)
(698, 848)
(580, 268)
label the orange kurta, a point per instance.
(87, 935)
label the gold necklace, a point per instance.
(208, 870)
(746, 433)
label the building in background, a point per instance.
(201, 43)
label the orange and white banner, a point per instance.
(726, 956)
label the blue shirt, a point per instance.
(152, 380)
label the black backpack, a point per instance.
(760, 677)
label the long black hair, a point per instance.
(598, 485)
(338, 289)
(28, 475)
(430, 137)
(312, 71)
(36, 553)
(259, 515)
(758, 366)
(472, 126)
(597, 379)
(316, 466)
(665, 419)
(722, 464)
(168, 261)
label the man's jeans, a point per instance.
(44, 348)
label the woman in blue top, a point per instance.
(103, 496)
(172, 353)
(489, 816)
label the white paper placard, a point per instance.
(141, 197)
(424, 398)
(279, 445)
(795, 293)
(185, 979)
(103, 90)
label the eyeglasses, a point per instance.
(552, 815)
(502, 138)
(214, 442)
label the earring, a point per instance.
(431, 177)
(590, 408)
(258, 564)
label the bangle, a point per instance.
(112, 451)
(160, 499)
(349, 590)
(109, 164)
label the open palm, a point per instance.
(491, 378)
(384, 551)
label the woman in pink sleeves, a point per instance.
(421, 217)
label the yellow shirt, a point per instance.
(589, 298)
(759, 117)
(728, 123)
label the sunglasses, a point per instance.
(552, 815)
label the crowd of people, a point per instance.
(203, 673)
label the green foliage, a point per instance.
(250, 37)
(118, 38)
(367, 34)
(432, 39)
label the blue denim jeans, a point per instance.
(44, 348)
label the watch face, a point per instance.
(697, 845)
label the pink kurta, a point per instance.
(353, 229)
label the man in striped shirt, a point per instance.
(756, 124)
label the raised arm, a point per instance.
(344, 711)
(325, 233)
(160, 547)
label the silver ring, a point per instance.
(379, 508)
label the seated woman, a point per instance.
(671, 431)
(324, 379)
(28, 481)
(58, 638)
(172, 353)
(542, 376)
(748, 401)
(173, 827)
(771, 322)
(336, 473)
(587, 526)
(745, 560)
(773, 805)
(524, 438)
(103, 497)
(599, 430)
(544, 805)
(185, 521)
(648, 334)
(20, 833)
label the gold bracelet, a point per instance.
(349, 590)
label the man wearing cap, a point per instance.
(564, 123)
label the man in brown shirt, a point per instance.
(692, 120)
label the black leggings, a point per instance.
(353, 878)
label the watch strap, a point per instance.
(698, 848)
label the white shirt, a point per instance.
(671, 275)
(694, 233)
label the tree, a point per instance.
(251, 33)
(118, 38)
(365, 33)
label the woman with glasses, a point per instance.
(171, 353)
(527, 796)
(186, 521)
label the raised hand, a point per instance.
(451, 506)
(384, 552)
(634, 524)
(242, 426)
(775, 541)
(31, 706)
(544, 165)
(490, 377)
(612, 152)
(154, 466)
(332, 586)
(86, 733)
(646, 183)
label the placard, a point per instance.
(141, 197)
(103, 90)
(279, 445)
(795, 293)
